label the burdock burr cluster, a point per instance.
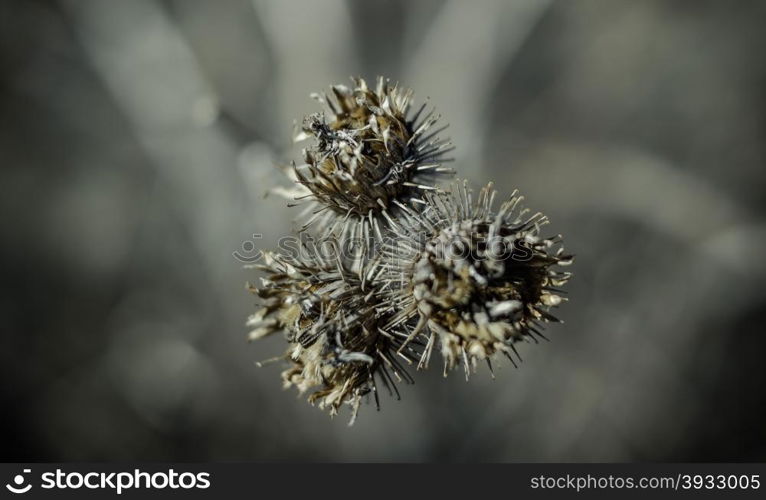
(393, 260)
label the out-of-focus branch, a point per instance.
(145, 63)
(461, 58)
(316, 49)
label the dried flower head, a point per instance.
(451, 273)
(473, 280)
(369, 155)
(328, 317)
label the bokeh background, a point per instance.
(137, 141)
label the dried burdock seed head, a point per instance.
(469, 279)
(369, 156)
(328, 317)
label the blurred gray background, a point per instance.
(137, 140)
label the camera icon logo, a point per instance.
(18, 481)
